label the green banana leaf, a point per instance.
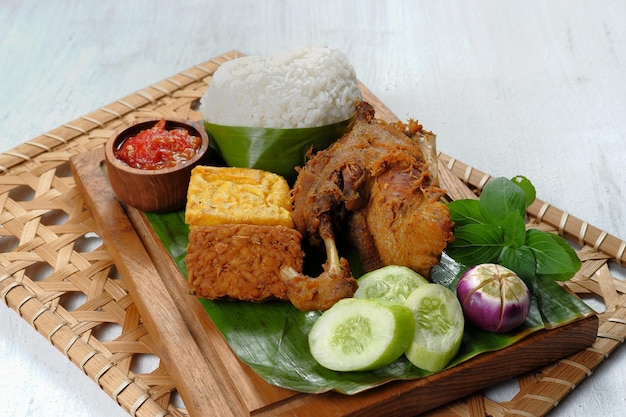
(275, 150)
(272, 337)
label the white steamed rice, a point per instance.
(305, 86)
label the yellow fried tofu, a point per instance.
(228, 195)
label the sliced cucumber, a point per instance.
(439, 326)
(360, 334)
(393, 282)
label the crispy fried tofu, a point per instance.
(227, 195)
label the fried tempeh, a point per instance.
(243, 262)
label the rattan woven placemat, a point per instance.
(49, 261)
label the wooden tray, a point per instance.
(211, 378)
(45, 263)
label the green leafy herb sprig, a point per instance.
(492, 229)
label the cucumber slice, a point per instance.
(360, 334)
(393, 283)
(439, 325)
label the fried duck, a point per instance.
(378, 185)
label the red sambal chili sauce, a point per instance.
(158, 148)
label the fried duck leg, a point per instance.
(335, 283)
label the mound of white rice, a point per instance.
(302, 87)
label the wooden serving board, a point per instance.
(210, 378)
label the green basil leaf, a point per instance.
(500, 198)
(514, 230)
(553, 255)
(464, 212)
(528, 188)
(519, 260)
(575, 261)
(476, 243)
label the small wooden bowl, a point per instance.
(159, 190)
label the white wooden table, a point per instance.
(520, 87)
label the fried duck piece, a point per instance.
(379, 184)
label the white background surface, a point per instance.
(510, 87)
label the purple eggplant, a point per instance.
(493, 297)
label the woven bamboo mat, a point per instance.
(59, 277)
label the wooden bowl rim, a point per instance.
(113, 141)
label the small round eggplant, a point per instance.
(493, 297)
